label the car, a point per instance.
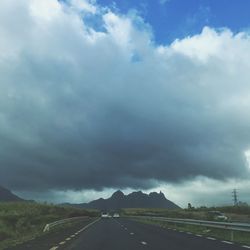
(217, 215)
(116, 215)
(104, 215)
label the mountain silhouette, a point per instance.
(7, 195)
(133, 200)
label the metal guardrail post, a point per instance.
(232, 235)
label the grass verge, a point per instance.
(20, 222)
(238, 237)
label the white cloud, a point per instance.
(90, 109)
(163, 1)
(84, 5)
(206, 192)
(45, 10)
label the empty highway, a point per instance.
(124, 234)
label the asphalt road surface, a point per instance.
(124, 234)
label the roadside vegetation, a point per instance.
(22, 221)
(233, 213)
(239, 237)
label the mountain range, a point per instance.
(116, 201)
(133, 200)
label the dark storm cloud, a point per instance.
(76, 112)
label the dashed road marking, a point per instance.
(227, 242)
(245, 246)
(73, 235)
(189, 233)
(210, 238)
(198, 235)
(143, 243)
(53, 248)
(132, 233)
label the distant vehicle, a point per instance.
(105, 215)
(217, 215)
(116, 215)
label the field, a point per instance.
(22, 221)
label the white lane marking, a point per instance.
(181, 231)
(227, 242)
(143, 243)
(189, 233)
(132, 233)
(84, 228)
(198, 235)
(63, 242)
(53, 248)
(210, 238)
(245, 246)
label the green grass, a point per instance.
(239, 237)
(22, 221)
(171, 213)
(234, 213)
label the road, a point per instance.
(124, 234)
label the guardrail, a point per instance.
(244, 227)
(59, 222)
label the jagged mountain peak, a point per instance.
(118, 194)
(136, 199)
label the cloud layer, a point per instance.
(92, 105)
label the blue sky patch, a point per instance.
(171, 19)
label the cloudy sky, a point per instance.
(103, 95)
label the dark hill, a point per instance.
(133, 200)
(7, 195)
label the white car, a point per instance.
(217, 215)
(116, 215)
(221, 217)
(105, 215)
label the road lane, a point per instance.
(124, 234)
(106, 234)
(159, 238)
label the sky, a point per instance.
(102, 95)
